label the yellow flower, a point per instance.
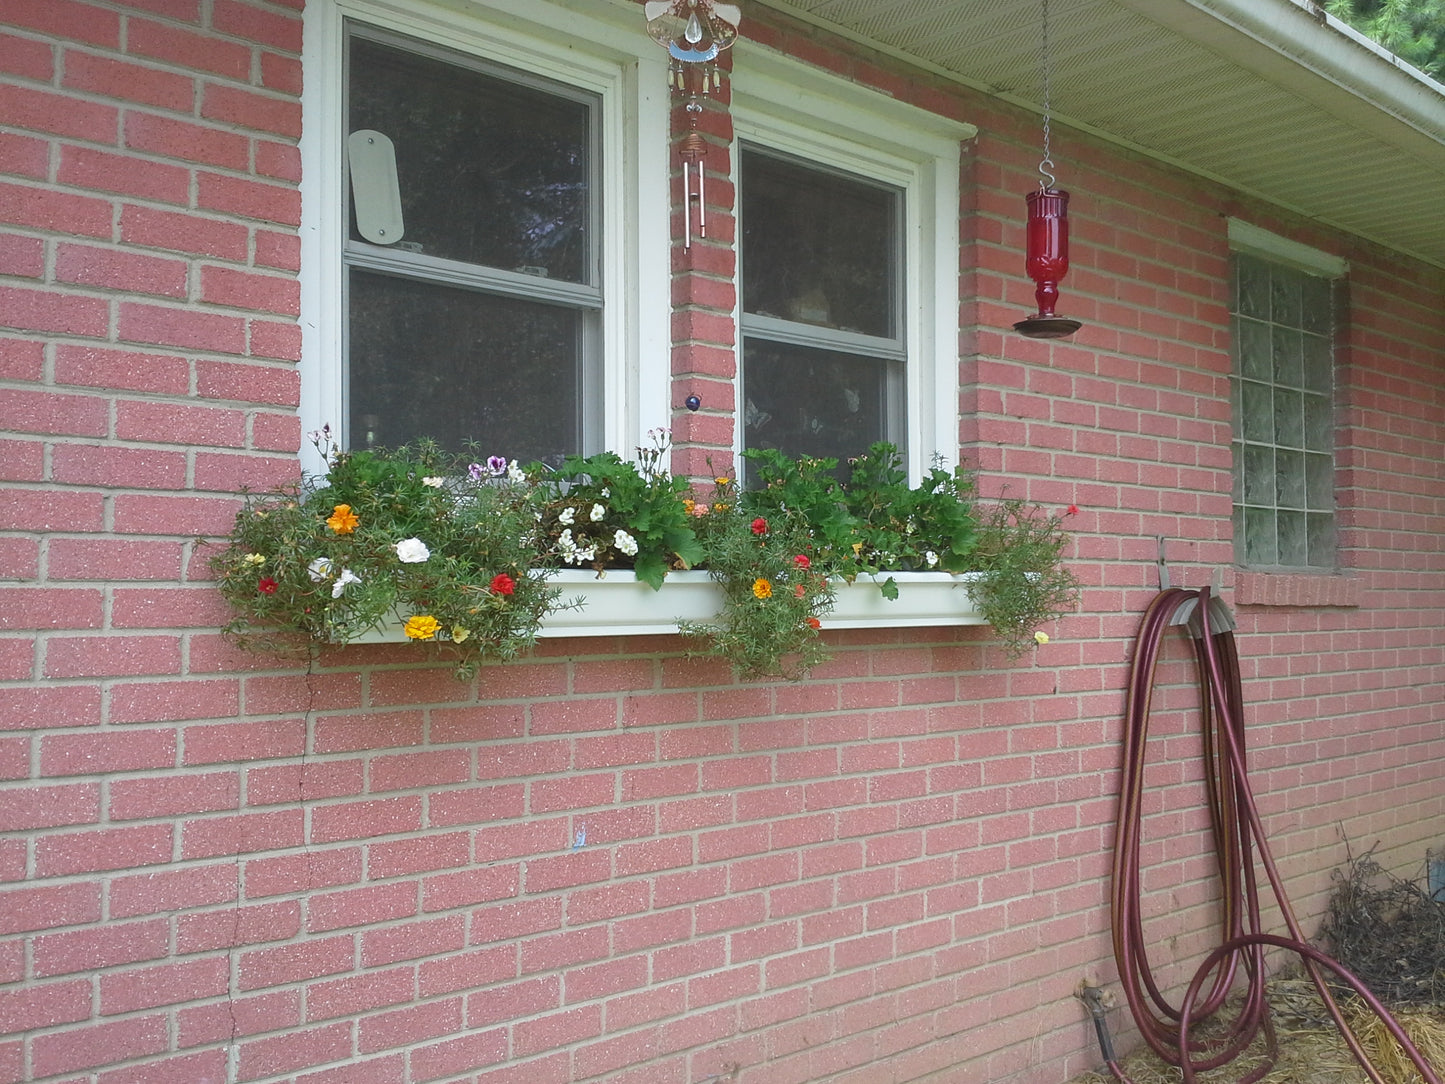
(460, 633)
(255, 559)
(762, 588)
(422, 627)
(688, 504)
(857, 548)
(722, 481)
(342, 519)
(1041, 638)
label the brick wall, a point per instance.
(609, 861)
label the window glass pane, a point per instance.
(1252, 287)
(1321, 539)
(1293, 550)
(1320, 483)
(1284, 296)
(1258, 475)
(818, 247)
(1319, 424)
(806, 401)
(1285, 345)
(1258, 412)
(1318, 363)
(1259, 537)
(460, 366)
(491, 171)
(1315, 315)
(1289, 473)
(1253, 346)
(1289, 418)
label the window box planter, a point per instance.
(618, 605)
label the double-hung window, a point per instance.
(1282, 393)
(824, 352)
(487, 196)
(848, 266)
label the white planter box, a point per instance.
(618, 605)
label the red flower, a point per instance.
(813, 623)
(760, 526)
(801, 561)
(502, 584)
(1072, 510)
(267, 586)
(798, 590)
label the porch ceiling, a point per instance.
(1269, 97)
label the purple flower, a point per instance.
(474, 472)
(497, 465)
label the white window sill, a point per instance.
(618, 605)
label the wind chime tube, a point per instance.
(701, 199)
(686, 205)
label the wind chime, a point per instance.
(694, 33)
(1046, 257)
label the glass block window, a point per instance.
(481, 321)
(1282, 395)
(823, 357)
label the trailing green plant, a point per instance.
(462, 551)
(775, 588)
(1024, 582)
(450, 547)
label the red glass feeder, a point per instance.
(1047, 262)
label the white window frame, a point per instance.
(784, 105)
(605, 54)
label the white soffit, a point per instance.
(1269, 97)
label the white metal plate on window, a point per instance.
(375, 192)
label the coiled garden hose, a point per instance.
(1238, 838)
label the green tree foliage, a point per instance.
(1414, 30)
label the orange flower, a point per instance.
(762, 588)
(421, 627)
(812, 622)
(342, 519)
(799, 590)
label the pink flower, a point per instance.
(1072, 510)
(760, 526)
(801, 561)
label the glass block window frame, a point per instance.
(1282, 405)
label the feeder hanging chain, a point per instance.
(1046, 164)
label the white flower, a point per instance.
(625, 543)
(931, 558)
(565, 517)
(319, 569)
(434, 481)
(597, 513)
(347, 576)
(412, 551)
(515, 473)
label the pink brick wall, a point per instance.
(609, 862)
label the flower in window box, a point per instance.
(342, 519)
(421, 627)
(412, 551)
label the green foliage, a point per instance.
(1024, 581)
(408, 532)
(1414, 30)
(774, 595)
(604, 513)
(462, 551)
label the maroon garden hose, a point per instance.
(1238, 838)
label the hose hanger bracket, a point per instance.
(1187, 613)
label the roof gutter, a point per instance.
(1366, 80)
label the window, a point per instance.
(823, 352)
(479, 322)
(484, 202)
(848, 266)
(1282, 393)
